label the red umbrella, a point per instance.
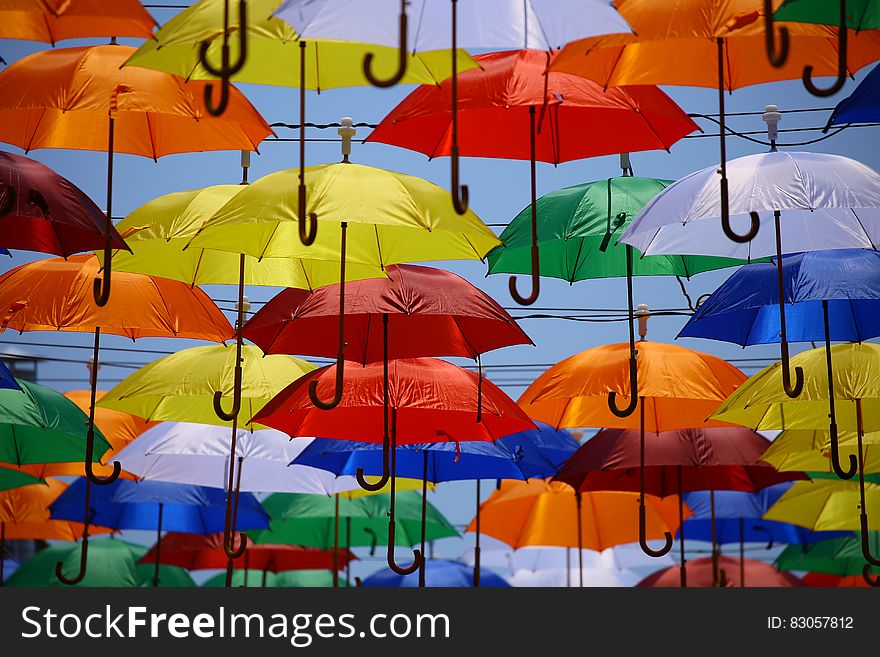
(497, 106)
(834, 581)
(205, 552)
(430, 401)
(684, 460)
(733, 573)
(44, 212)
(416, 311)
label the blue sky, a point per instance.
(498, 191)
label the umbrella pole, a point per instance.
(417, 554)
(832, 416)
(386, 440)
(725, 205)
(265, 577)
(459, 191)
(791, 391)
(158, 547)
(742, 553)
(90, 433)
(402, 56)
(477, 541)
(633, 352)
(776, 59)
(714, 538)
(101, 286)
(336, 542)
(479, 388)
(348, 549)
(568, 568)
(306, 235)
(863, 516)
(536, 258)
(424, 514)
(841, 61)
(577, 497)
(247, 558)
(643, 512)
(340, 352)
(683, 561)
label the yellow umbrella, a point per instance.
(803, 450)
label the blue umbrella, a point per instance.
(156, 505)
(829, 295)
(862, 105)
(439, 573)
(5, 252)
(535, 453)
(7, 379)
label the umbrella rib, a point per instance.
(855, 321)
(864, 230)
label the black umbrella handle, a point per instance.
(776, 59)
(83, 559)
(870, 579)
(841, 61)
(340, 355)
(226, 69)
(401, 52)
(633, 352)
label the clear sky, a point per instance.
(499, 189)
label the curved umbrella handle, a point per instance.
(386, 471)
(460, 195)
(835, 457)
(83, 558)
(536, 259)
(90, 473)
(226, 70)
(337, 395)
(101, 286)
(242, 548)
(870, 579)
(792, 391)
(401, 52)
(536, 284)
(643, 523)
(725, 220)
(417, 555)
(9, 200)
(841, 61)
(308, 228)
(777, 59)
(306, 234)
(633, 389)
(236, 405)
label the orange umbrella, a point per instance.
(55, 20)
(54, 295)
(677, 388)
(540, 512)
(81, 98)
(722, 43)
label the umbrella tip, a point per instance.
(346, 130)
(772, 117)
(625, 165)
(642, 313)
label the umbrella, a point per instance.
(11, 477)
(862, 105)
(854, 383)
(834, 295)
(51, 21)
(438, 573)
(112, 564)
(81, 98)
(578, 119)
(289, 578)
(493, 24)
(7, 378)
(718, 458)
(430, 312)
(722, 44)
(560, 577)
(430, 401)
(734, 572)
(831, 505)
(44, 212)
(153, 505)
(205, 552)
(678, 389)
(809, 451)
(189, 453)
(169, 576)
(823, 580)
(840, 557)
(828, 201)
(265, 48)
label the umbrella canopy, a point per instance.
(7, 378)
(576, 234)
(862, 105)
(205, 552)
(162, 227)
(51, 21)
(533, 453)
(700, 574)
(189, 453)
(136, 505)
(65, 98)
(430, 312)
(680, 387)
(289, 578)
(110, 564)
(273, 49)
(838, 556)
(15, 478)
(24, 513)
(56, 294)
(433, 401)
(825, 202)
(860, 14)
(744, 310)
(181, 387)
(579, 118)
(836, 581)
(593, 577)
(828, 504)
(169, 577)
(47, 213)
(740, 518)
(438, 573)
(309, 520)
(40, 425)
(809, 451)
(720, 458)
(539, 512)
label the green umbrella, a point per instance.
(169, 576)
(290, 578)
(39, 425)
(15, 479)
(837, 556)
(113, 561)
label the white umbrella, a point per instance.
(559, 577)
(191, 453)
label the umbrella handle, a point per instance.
(643, 524)
(417, 555)
(866, 543)
(869, 579)
(835, 456)
(236, 402)
(340, 352)
(401, 52)
(306, 234)
(233, 553)
(337, 395)
(386, 473)
(791, 391)
(841, 61)
(226, 69)
(777, 59)
(460, 196)
(725, 220)
(9, 200)
(83, 558)
(90, 473)
(633, 391)
(536, 284)
(101, 286)
(358, 582)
